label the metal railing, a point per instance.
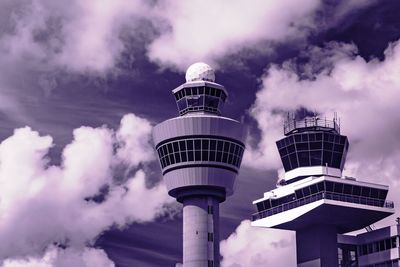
(293, 124)
(322, 195)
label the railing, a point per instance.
(322, 195)
(293, 124)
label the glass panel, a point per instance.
(212, 91)
(183, 156)
(365, 191)
(316, 157)
(336, 159)
(347, 189)
(193, 101)
(230, 159)
(219, 157)
(201, 90)
(326, 157)
(328, 146)
(182, 145)
(213, 144)
(304, 159)
(321, 187)
(342, 140)
(217, 93)
(356, 190)
(220, 145)
(212, 156)
(313, 188)
(297, 138)
(197, 144)
(338, 148)
(177, 157)
(225, 157)
(172, 159)
(169, 147)
(290, 149)
(302, 146)
(197, 155)
(293, 160)
(204, 144)
(190, 155)
(232, 148)
(211, 102)
(175, 146)
(204, 155)
(304, 137)
(311, 137)
(188, 91)
(286, 163)
(207, 91)
(283, 152)
(315, 145)
(318, 136)
(189, 144)
(338, 188)
(329, 186)
(226, 147)
(374, 193)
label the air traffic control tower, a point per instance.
(200, 154)
(313, 198)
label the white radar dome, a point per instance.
(200, 72)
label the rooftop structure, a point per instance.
(200, 153)
(313, 198)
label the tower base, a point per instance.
(316, 246)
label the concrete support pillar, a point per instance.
(316, 246)
(201, 231)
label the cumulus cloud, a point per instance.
(70, 205)
(89, 36)
(56, 257)
(208, 30)
(364, 93)
(251, 246)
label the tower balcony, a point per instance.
(322, 195)
(292, 125)
(347, 205)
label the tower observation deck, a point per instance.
(200, 153)
(313, 198)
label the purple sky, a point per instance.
(83, 82)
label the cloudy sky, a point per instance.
(83, 82)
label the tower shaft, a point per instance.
(317, 246)
(201, 231)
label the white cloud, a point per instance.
(56, 257)
(364, 93)
(43, 204)
(251, 246)
(87, 36)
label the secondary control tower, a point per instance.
(313, 198)
(200, 154)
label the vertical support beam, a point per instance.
(201, 231)
(316, 246)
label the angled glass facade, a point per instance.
(207, 150)
(313, 149)
(200, 98)
(323, 190)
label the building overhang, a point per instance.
(345, 216)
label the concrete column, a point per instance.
(316, 246)
(200, 231)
